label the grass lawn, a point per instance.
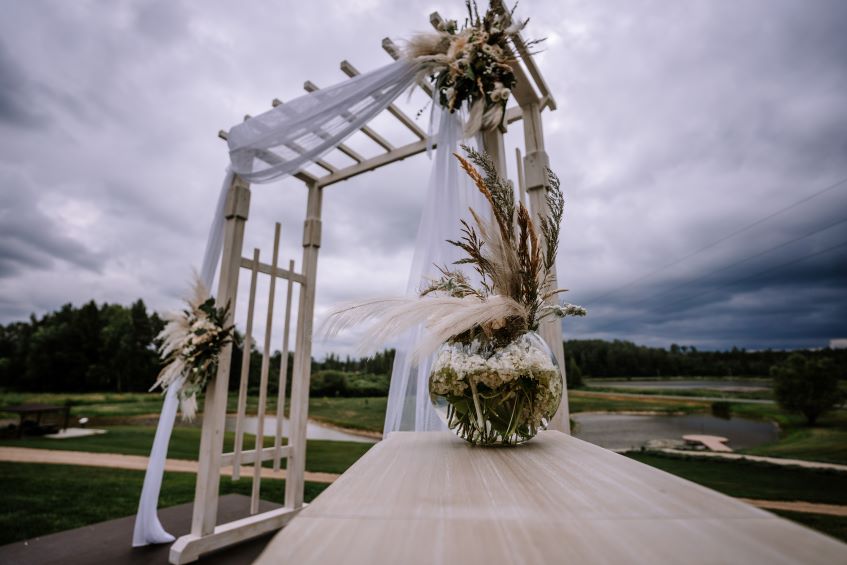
(835, 526)
(36, 500)
(748, 479)
(356, 413)
(366, 413)
(588, 401)
(704, 392)
(323, 456)
(90, 404)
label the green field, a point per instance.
(597, 386)
(36, 500)
(746, 479)
(366, 413)
(827, 442)
(321, 456)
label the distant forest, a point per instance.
(109, 347)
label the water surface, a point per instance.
(627, 431)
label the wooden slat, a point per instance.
(430, 498)
(351, 71)
(521, 183)
(266, 269)
(188, 549)
(248, 456)
(309, 86)
(283, 371)
(263, 382)
(245, 371)
(379, 161)
(204, 513)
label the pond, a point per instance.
(313, 429)
(629, 431)
(727, 385)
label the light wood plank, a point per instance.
(241, 409)
(281, 273)
(379, 161)
(263, 379)
(431, 498)
(205, 510)
(283, 371)
(248, 457)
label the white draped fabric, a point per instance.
(262, 149)
(449, 195)
(284, 139)
(279, 143)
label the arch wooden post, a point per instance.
(303, 351)
(535, 163)
(214, 411)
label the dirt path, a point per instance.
(796, 506)
(132, 462)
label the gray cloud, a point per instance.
(30, 239)
(678, 123)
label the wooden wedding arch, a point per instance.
(532, 96)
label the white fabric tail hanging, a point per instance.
(262, 149)
(449, 195)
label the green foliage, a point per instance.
(108, 347)
(37, 500)
(321, 455)
(574, 374)
(808, 386)
(598, 358)
(340, 383)
(835, 526)
(748, 479)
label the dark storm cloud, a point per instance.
(689, 122)
(678, 123)
(28, 238)
(16, 93)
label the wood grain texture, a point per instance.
(432, 498)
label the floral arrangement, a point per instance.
(495, 374)
(190, 346)
(496, 396)
(471, 65)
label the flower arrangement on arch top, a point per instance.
(471, 65)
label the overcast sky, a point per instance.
(679, 124)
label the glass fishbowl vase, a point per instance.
(496, 395)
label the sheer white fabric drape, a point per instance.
(284, 139)
(262, 149)
(449, 195)
(147, 528)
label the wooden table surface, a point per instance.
(431, 498)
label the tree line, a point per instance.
(109, 347)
